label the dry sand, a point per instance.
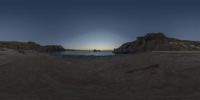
(145, 76)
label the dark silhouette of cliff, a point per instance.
(30, 46)
(157, 42)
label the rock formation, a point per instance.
(95, 50)
(157, 42)
(51, 48)
(30, 46)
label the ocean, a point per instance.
(82, 53)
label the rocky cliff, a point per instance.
(30, 46)
(157, 42)
(51, 48)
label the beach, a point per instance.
(143, 76)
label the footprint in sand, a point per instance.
(5, 63)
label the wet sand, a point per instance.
(145, 76)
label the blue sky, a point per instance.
(101, 24)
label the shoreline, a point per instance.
(176, 52)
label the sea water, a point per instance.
(82, 53)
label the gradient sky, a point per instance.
(101, 24)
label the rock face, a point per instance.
(157, 42)
(51, 48)
(95, 50)
(30, 46)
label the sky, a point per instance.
(100, 24)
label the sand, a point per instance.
(145, 76)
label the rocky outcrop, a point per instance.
(51, 48)
(20, 45)
(157, 42)
(95, 50)
(30, 46)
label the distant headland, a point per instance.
(30, 46)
